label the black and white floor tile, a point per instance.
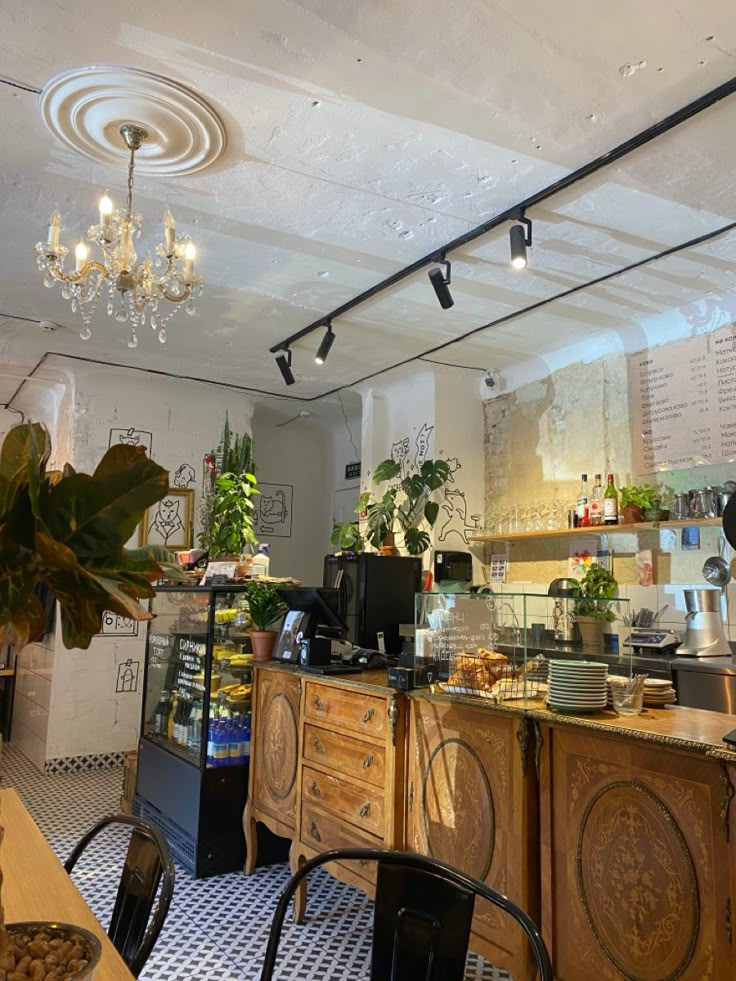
(217, 928)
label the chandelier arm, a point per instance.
(176, 299)
(77, 277)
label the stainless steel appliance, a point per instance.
(704, 635)
(706, 684)
(564, 620)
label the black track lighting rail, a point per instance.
(510, 214)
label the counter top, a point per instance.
(375, 680)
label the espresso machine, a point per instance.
(565, 592)
(704, 636)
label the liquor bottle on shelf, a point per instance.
(610, 503)
(596, 502)
(583, 505)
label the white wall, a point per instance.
(296, 460)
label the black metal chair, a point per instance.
(422, 917)
(135, 924)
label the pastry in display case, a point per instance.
(195, 730)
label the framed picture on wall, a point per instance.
(169, 522)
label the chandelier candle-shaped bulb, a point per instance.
(106, 209)
(81, 253)
(169, 232)
(189, 255)
(54, 232)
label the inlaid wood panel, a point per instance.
(345, 708)
(276, 746)
(362, 760)
(635, 845)
(360, 804)
(469, 804)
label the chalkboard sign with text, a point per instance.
(352, 471)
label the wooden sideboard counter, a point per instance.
(327, 766)
(617, 834)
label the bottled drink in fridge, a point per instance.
(234, 753)
(583, 503)
(246, 736)
(610, 503)
(596, 502)
(211, 735)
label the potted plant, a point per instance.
(226, 508)
(597, 588)
(346, 536)
(406, 506)
(636, 500)
(68, 531)
(265, 608)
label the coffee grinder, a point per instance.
(704, 636)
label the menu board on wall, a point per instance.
(684, 403)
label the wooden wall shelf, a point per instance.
(519, 536)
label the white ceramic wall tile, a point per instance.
(640, 597)
(34, 686)
(672, 595)
(36, 657)
(30, 715)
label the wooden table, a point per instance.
(36, 887)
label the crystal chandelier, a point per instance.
(140, 286)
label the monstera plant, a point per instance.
(68, 530)
(407, 504)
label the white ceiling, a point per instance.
(362, 136)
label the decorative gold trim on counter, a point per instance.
(538, 744)
(393, 717)
(522, 734)
(727, 919)
(727, 795)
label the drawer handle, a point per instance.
(314, 832)
(365, 810)
(367, 762)
(369, 715)
(318, 704)
(316, 792)
(318, 746)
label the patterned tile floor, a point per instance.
(217, 928)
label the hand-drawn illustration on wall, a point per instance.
(169, 523)
(114, 625)
(184, 476)
(273, 510)
(127, 677)
(422, 445)
(400, 453)
(132, 437)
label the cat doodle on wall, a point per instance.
(400, 453)
(132, 437)
(166, 520)
(453, 518)
(184, 476)
(273, 508)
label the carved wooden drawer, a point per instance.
(364, 714)
(365, 761)
(362, 806)
(323, 831)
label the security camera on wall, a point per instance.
(491, 383)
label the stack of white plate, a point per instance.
(657, 691)
(577, 686)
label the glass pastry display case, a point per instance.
(195, 729)
(499, 645)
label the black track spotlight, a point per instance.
(520, 238)
(283, 362)
(440, 282)
(324, 346)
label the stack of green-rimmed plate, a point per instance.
(577, 686)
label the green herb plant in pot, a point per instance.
(598, 588)
(266, 608)
(67, 531)
(638, 499)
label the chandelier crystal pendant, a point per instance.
(135, 290)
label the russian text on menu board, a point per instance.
(684, 397)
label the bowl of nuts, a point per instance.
(50, 952)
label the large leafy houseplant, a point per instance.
(67, 531)
(406, 505)
(226, 509)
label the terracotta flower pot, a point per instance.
(591, 632)
(263, 642)
(632, 514)
(388, 545)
